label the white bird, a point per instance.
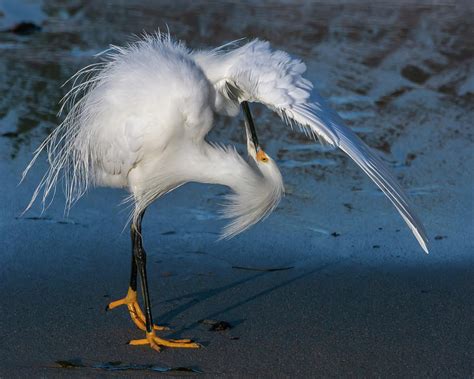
(139, 119)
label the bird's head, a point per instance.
(259, 159)
(259, 191)
(272, 180)
(256, 153)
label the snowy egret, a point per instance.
(138, 120)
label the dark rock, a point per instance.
(415, 74)
(24, 28)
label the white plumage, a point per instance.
(139, 119)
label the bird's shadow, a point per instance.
(200, 296)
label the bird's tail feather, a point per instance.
(67, 147)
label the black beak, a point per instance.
(250, 124)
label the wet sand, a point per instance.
(356, 296)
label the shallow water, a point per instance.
(401, 75)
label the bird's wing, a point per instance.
(255, 73)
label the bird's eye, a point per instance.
(261, 156)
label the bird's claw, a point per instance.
(156, 343)
(136, 314)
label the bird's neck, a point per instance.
(256, 191)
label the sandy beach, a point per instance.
(332, 284)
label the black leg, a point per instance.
(144, 320)
(133, 270)
(140, 264)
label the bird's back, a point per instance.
(150, 92)
(125, 110)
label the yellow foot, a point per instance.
(157, 343)
(134, 309)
